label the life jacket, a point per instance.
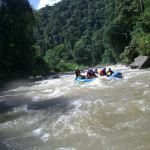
(78, 72)
(110, 72)
(89, 73)
(92, 74)
(102, 73)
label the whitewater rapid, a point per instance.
(60, 114)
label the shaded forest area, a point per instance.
(70, 33)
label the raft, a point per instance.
(116, 75)
(79, 80)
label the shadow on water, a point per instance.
(15, 101)
(47, 103)
(55, 104)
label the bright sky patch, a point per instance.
(45, 2)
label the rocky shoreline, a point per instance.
(21, 81)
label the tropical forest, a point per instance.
(71, 33)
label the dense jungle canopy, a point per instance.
(83, 32)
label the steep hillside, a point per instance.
(77, 24)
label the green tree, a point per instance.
(16, 38)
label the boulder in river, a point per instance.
(141, 62)
(40, 77)
(37, 78)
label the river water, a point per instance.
(60, 114)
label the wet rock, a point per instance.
(127, 64)
(31, 78)
(37, 78)
(56, 77)
(141, 62)
(40, 77)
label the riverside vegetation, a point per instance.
(70, 33)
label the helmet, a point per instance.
(76, 67)
(104, 68)
(109, 69)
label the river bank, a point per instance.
(15, 80)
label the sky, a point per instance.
(37, 4)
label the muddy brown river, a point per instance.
(60, 114)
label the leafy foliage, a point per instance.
(16, 38)
(75, 24)
(86, 32)
(139, 43)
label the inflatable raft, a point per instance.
(79, 80)
(116, 75)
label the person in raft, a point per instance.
(93, 74)
(78, 75)
(109, 72)
(103, 72)
(90, 74)
(95, 70)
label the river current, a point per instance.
(60, 114)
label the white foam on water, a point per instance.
(66, 148)
(32, 95)
(37, 131)
(142, 105)
(134, 124)
(47, 91)
(135, 84)
(146, 93)
(102, 113)
(45, 137)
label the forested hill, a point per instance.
(90, 32)
(70, 33)
(77, 27)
